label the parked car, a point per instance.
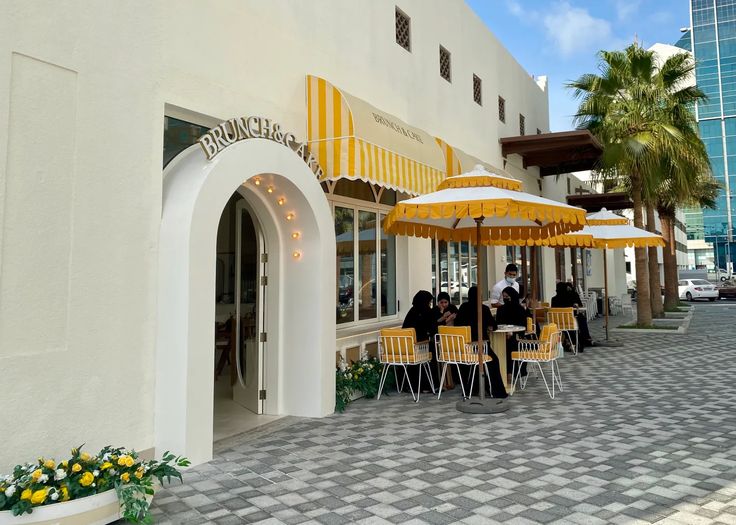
(727, 290)
(691, 289)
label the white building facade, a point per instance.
(115, 271)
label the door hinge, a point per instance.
(261, 395)
(264, 280)
(264, 257)
(264, 337)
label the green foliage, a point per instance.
(363, 377)
(47, 482)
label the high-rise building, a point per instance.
(712, 40)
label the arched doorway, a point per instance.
(296, 222)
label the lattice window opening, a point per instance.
(445, 66)
(477, 90)
(403, 30)
(501, 109)
(522, 124)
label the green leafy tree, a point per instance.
(638, 108)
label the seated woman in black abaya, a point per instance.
(421, 317)
(567, 297)
(512, 312)
(467, 315)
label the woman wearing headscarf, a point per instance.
(421, 318)
(512, 312)
(467, 315)
(444, 311)
(567, 297)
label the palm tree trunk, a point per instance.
(655, 284)
(643, 299)
(669, 260)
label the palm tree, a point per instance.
(635, 107)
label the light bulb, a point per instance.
(281, 201)
(295, 235)
(289, 216)
(296, 254)
(270, 189)
(257, 181)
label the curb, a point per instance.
(682, 329)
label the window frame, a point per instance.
(502, 109)
(449, 63)
(400, 13)
(358, 205)
(478, 100)
(522, 125)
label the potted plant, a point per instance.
(103, 488)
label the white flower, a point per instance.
(113, 471)
(55, 496)
(94, 484)
(10, 491)
(59, 474)
(96, 473)
(43, 478)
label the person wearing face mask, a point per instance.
(444, 311)
(509, 279)
(567, 297)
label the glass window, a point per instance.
(344, 228)
(388, 271)
(367, 265)
(455, 268)
(178, 136)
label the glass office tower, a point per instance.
(712, 39)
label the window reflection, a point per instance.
(388, 272)
(367, 264)
(344, 234)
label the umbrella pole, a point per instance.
(481, 289)
(605, 288)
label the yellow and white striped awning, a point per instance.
(354, 140)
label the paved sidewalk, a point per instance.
(643, 433)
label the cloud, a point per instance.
(626, 8)
(515, 8)
(574, 30)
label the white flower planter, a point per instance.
(99, 509)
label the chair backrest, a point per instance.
(549, 340)
(544, 305)
(531, 327)
(547, 331)
(564, 318)
(453, 341)
(396, 345)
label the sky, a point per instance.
(560, 38)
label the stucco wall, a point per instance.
(81, 131)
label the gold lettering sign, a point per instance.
(243, 128)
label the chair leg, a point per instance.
(550, 392)
(462, 385)
(516, 375)
(472, 380)
(399, 388)
(559, 376)
(428, 369)
(442, 379)
(411, 389)
(513, 374)
(419, 384)
(384, 373)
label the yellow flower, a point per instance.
(85, 456)
(38, 497)
(26, 494)
(76, 467)
(64, 493)
(87, 479)
(125, 477)
(129, 461)
(139, 473)
(64, 464)
(36, 474)
(122, 461)
(106, 465)
(49, 463)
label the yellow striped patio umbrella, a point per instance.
(486, 208)
(607, 231)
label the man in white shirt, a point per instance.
(509, 279)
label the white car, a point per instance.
(697, 289)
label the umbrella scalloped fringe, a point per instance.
(489, 208)
(608, 222)
(467, 181)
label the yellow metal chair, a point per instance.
(399, 347)
(531, 328)
(545, 350)
(566, 323)
(454, 347)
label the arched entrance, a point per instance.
(299, 296)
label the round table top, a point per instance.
(510, 328)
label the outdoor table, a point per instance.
(498, 344)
